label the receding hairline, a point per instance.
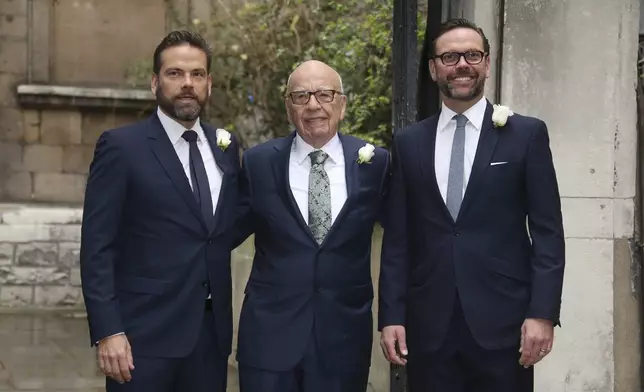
(337, 74)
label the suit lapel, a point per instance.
(281, 174)
(224, 165)
(166, 155)
(426, 153)
(486, 145)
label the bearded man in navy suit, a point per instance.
(160, 207)
(312, 200)
(473, 251)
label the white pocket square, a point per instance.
(497, 163)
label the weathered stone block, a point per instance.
(95, 123)
(31, 125)
(11, 126)
(8, 84)
(13, 7)
(6, 253)
(13, 56)
(33, 275)
(75, 277)
(42, 215)
(40, 233)
(77, 159)
(37, 254)
(41, 158)
(58, 296)
(40, 35)
(13, 26)
(10, 156)
(16, 296)
(64, 233)
(17, 185)
(60, 127)
(69, 254)
(60, 187)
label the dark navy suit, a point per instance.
(149, 258)
(306, 321)
(466, 286)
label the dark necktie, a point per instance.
(199, 179)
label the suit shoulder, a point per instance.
(525, 121)
(264, 148)
(412, 133)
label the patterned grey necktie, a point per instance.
(319, 197)
(456, 170)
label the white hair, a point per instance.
(288, 81)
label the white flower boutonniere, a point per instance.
(223, 139)
(366, 153)
(500, 115)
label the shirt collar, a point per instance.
(474, 115)
(302, 149)
(175, 130)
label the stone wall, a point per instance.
(49, 156)
(39, 256)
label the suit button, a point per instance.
(210, 241)
(205, 284)
(456, 234)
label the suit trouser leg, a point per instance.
(309, 375)
(461, 365)
(149, 375)
(204, 370)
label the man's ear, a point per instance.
(154, 83)
(432, 69)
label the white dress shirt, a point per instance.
(445, 136)
(182, 148)
(300, 166)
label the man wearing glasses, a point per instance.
(311, 199)
(468, 291)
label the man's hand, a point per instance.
(388, 338)
(536, 341)
(115, 358)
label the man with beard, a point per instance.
(156, 236)
(468, 292)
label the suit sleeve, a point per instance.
(104, 198)
(243, 227)
(546, 229)
(392, 298)
(384, 187)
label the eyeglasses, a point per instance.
(472, 57)
(303, 97)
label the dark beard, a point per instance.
(476, 90)
(179, 111)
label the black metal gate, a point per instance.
(415, 95)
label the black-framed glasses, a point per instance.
(303, 97)
(472, 57)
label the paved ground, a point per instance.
(49, 352)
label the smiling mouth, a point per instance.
(462, 79)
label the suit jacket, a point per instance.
(148, 254)
(296, 283)
(505, 271)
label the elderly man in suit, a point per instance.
(312, 200)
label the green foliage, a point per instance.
(257, 45)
